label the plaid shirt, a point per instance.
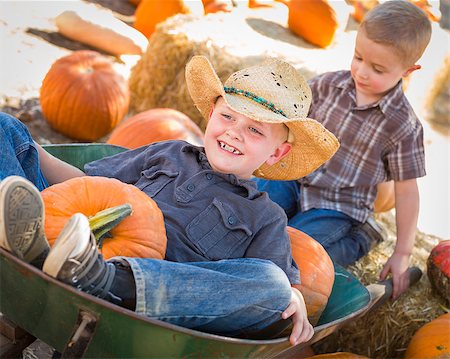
(379, 142)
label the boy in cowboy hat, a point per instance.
(381, 139)
(228, 267)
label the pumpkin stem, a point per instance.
(102, 222)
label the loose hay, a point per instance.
(386, 332)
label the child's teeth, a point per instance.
(229, 148)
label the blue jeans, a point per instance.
(18, 152)
(224, 297)
(338, 233)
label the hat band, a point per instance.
(255, 98)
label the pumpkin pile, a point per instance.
(83, 96)
(140, 235)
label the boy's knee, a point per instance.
(276, 284)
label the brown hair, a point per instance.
(401, 25)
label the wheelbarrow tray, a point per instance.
(78, 323)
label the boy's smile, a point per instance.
(239, 145)
(376, 69)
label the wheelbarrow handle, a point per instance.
(380, 292)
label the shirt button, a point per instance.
(190, 187)
(209, 176)
(306, 185)
(324, 170)
(231, 220)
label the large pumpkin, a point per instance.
(314, 20)
(432, 340)
(438, 269)
(316, 272)
(156, 125)
(149, 13)
(83, 96)
(140, 235)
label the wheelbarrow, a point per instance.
(79, 325)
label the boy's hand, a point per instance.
(397, 265)
(302, 330)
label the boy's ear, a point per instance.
(280, 152)
(211, 111)
(410, 70)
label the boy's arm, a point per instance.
(302, 330)
(55, 170)
(407, 212)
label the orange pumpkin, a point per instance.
(338, 355)
(316, 272)
(83, 96)
(213, 6)
(149, 13)
(438, 269)
(432, 340)
(260, 3)
(385, 199)
(313, 20)
(156, 125)
(140, 235)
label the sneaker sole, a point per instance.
(73, 238)
(22, 211)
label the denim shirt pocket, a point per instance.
(153, 181)
(217, 232)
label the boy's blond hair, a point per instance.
(401, 25)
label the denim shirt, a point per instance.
(208, 215)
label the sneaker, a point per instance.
(374, 230)
(74, 259)
(22, 220)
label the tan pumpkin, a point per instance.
(156, 125)
(83, 96)
(432, 340)
(314, 20)
(102, 31)
(142, 234)
(316, 272)
(385, 199)
(149, 13)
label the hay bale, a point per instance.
(438, 100)
(387, 331)
(231, 41)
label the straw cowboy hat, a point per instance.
(273, 92)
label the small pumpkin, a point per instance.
(438, 269)
(156, 125)
(83, 96)
(149, 13)
(385, 199)
(142, 234)
(316, 272)
(432, 340)
(314, 20)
